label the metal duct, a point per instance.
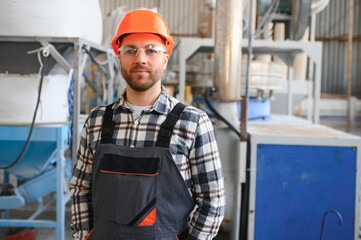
(227, 50)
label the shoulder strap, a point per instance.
(166, 129)
(107, 125)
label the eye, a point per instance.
(130, 51)
(150, 51)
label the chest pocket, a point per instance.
(127, 181)
(125, 165)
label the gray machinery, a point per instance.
(286, 177)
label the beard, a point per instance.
(141, 82)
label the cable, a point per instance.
(209, 105)
(70, 110)
(100, 65)
(102, 69)
(41, 72)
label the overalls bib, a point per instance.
(138, 193)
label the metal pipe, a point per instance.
(249, 61)
(227, 50)
(349, 64)
(227, 81)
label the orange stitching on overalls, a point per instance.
(129, 173)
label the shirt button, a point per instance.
(136, 123)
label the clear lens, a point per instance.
(149, 51)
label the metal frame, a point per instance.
(286, 50)
(80, 59)
(46, 44)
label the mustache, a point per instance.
(140, 68)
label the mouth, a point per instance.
(139, 70)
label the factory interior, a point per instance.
(279, 79)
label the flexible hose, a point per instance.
(99, 64)
(42, 71)
(216, 113)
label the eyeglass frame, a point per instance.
(146, 49)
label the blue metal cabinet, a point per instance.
(298, 173)
(296, 185)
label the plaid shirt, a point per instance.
(193, 148)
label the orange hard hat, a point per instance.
(142, 21)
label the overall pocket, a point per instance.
(124, 190)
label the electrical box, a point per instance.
(303, 181)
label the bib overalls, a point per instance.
(138, 193)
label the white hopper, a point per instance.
(18, 97)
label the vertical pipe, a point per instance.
(110, 80)
(182, 73)
(279, 35)
(60, 201)
(289, 86)
(349, 64)
(76, 100)
(248, 75)
(228, 41)
(312, 35)
(227, 80)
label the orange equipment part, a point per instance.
(142, 21)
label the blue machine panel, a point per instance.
(296, 185)
(32, 162)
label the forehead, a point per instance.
(142, 39)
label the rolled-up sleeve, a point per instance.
(208, 181)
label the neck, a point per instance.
(145, 98)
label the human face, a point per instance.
(143, 70)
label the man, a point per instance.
(148, 167)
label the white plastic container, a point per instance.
(18, 98)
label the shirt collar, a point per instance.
(161, 105)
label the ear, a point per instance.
(166, 58)
(120, 60)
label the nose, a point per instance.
(140, 57)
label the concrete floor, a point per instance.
(49, 234)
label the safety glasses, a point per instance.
(150, 51)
